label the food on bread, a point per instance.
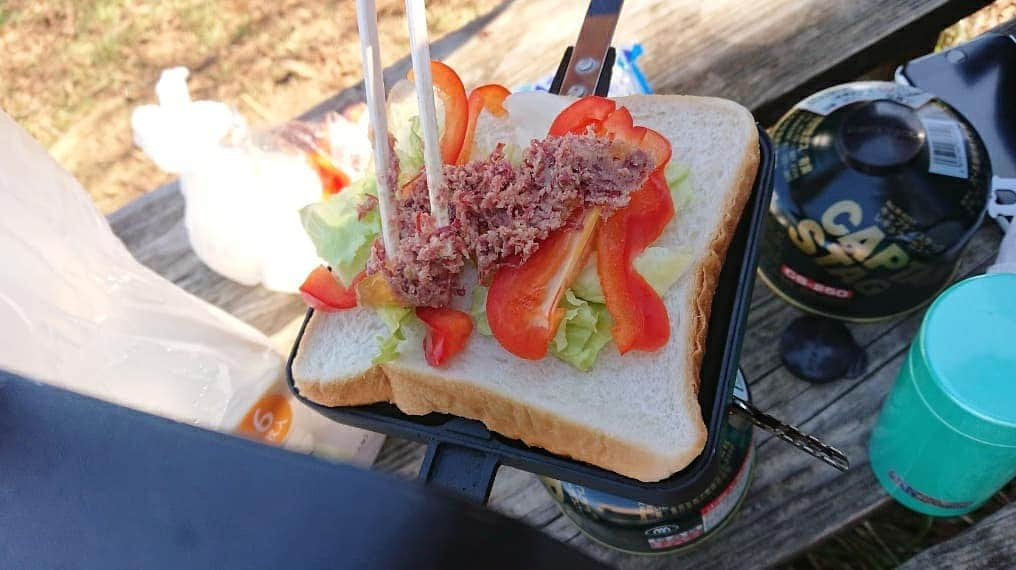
(586, 238)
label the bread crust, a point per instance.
(418, 392)
(709, 271)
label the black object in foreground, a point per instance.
(462, 455)
(820, 350)
(88, 484)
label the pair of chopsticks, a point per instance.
(366, 18)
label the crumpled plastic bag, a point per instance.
(244, 189)
(77, 310)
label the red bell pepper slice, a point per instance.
(447, 333)
(322, 291)
(619, 126)
(522, 303)
(582, 114)
(640, 317)
(333, 180)
(490, 97)
(449, 88)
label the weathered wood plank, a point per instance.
(790, 487)
(991, 543)
(766, 59)
(766, 322)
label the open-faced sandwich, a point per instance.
(565, 302)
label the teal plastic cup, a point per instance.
(946, 438)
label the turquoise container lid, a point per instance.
(965, 363)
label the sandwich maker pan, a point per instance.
(463, 455)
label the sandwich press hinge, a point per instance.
(466, 472)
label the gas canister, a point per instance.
(879, 187)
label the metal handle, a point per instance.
(790, 434)
(582, 69)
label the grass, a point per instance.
(74, 70)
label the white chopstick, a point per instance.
(419, 49)
(373, 82)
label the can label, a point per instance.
(832, 99)
(638, 527)
(873, 201)
(945, 144)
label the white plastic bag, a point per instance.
(243, 190)
(79, 311)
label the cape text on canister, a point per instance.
(879, 187)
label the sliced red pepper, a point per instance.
(582, 114)
(640, 317)
(322, 291)
(333, 180)
(619, 126)
(447, 333)
(449, 88)
(489, 97)
(522, 303)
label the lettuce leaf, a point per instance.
(584, 331)
(340, 237)
(661, 266)
(679, 181)
(478, 310)
(587, 284)
(409, 150)
(388, 346)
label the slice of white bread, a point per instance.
(638, 414)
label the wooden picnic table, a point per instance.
(765, 56)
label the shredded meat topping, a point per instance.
(499, 211)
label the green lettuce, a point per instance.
(478, 310)
(340, 236)
(584, 331)
(409, 150)
(679, 181)
(660, 266)
(513, 153)
(587, 284)
(388, 346)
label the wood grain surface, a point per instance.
(989, 544)
(764, 58)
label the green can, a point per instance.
(638, 528)
(946, 438)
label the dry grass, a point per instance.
(72, 71)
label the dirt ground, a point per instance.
(73, 71)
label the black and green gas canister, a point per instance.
(879, 187)
(639, 528)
